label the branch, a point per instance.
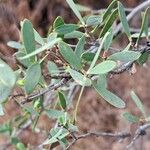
(43, 91)
(135, 11)
(141, 131)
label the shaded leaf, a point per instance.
(88, 56)
(28, 38)
(41, 49)
(124, 21)
(62, 100)
(109, 9)
(75, 10)
(58, 22)
(74, 35)
(32, 78)
(52, 67)
(69, 55)
(66, 28)
(53, 113)
(109, 22)
(108, 40)
(7, 80)
(80, 46)
(131, 118)
(38, 38)
(138, 102)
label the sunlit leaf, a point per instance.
(125, 56)
(79, 78)
(108, 96)
(103, 67)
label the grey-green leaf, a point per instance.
(94, 20)
(32, 78)
(75, 10)
(66, 28)
(58, 22)
(1, 110)
(38, 38)
(79, 78)
(74, 35)
(69, 55)
(123, 19)
(41, 49)
(28, 37)
(103, 68)
(80, 47)
(131, 118)
(109, 97)
(125, 56)
(53, 113)
(7, 80)
(52, 68)
(138, 103)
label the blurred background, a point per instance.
(94, 113)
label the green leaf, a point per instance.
(74, 35)
(109, 9)
(25, 62)
(98, 52)
(80, 46)
(38, 38)
(125, 56)
(88, 56)
(75, 10)
(79, 78)
(109, 22)
(20, 146)
(123, 19)
(58, 22)
(143, 58)
(5, 127)
(14, 44)
(103, 68)
(66, 28)
(32, 78)
(69, 55)
(108, 40)
(28, 38)
(138, 102)
(62, 100)
(52, 67)
(31, 110)
(41, 49)
(53, 113)
(109, 97)
(131, 118)
(83, 8)
(7, 80)
(144, 24)
(93, 20)
(1, 110)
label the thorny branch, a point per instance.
(141, 131)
